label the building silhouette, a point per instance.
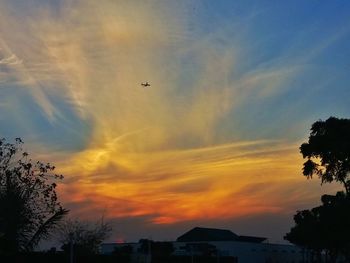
(222, 243)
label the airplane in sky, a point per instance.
(145, 84)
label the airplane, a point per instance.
(146, 84)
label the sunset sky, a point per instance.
(235, 87)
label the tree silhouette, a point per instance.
(85, 237)
(29, 208)
(328, 151)
(324, 228)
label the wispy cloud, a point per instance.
(11, 60)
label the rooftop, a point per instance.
(212, 234)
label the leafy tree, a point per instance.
(85, 237)
(324, 228)
(328, 151)
(327, 227)
(29, 208)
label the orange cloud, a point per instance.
(226, 181)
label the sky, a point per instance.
(213, 142)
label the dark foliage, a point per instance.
(29, 208)
(324, 228)
(85, 236)
(328, 151)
